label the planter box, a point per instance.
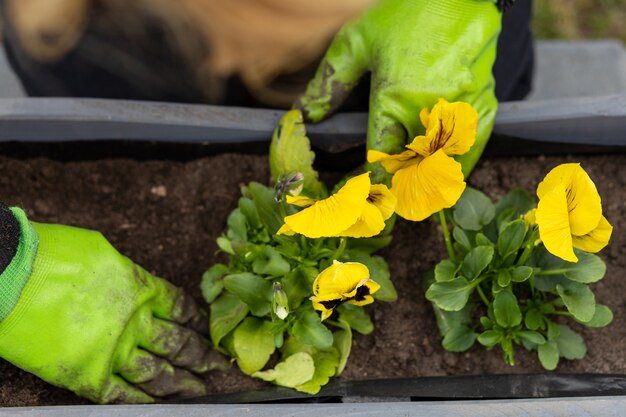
(165, 210)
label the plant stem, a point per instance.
(281, 209)
(342, 246)
(525, 255)
(552, 271)
(483, 296)
(562, 313)
(446, 235)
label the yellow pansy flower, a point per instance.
(569, 213)
(358, 209)
(426, 178)
(342, 282)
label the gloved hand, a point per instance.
(90, 320)
(417, 51)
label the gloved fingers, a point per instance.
(179, 345)
(159, 378)
(339, 71)
(173, 304)
(385, 133)
(118, 391)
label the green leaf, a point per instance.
(553, 330)
(266, 206)
(298, 285)
(459, 339)
(511, 238)
(476, 261)
(548, 355)
(450, 295)
(460, 237)
(507, 349)
(326, 363)
(533, 319)
(293, 371)
(356, 318)
(253, 342)
(578, 299)
(521, 273)
(482, 240)
(290, 151)
(504, 278)
(309, 329)
(248, 209)
(379, 272)
(253, 290)
(447, 320)
(212, 284)
(548, 283)
(473, 210)
(445, 270)
(270, 262)
(237, 226)
(518, 199)
(589, 268)
(342, 341)
(293, 346)
(226, 313)
(369, 245)
(571, 345)
(531, 337)
(506, 309)
(224, 244)
(603, 316)
(489, 338)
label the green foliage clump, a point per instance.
(501, 287)
(259, 301)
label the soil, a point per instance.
(166, 215)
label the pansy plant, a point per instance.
(301, 266)
(522, 269)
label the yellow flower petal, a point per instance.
(424, 116)
(423, 189)
(583, 201)
(370, 223)
(553, 221)
(326, 314)
(595, 240)
(383, 199)
(285, 230)
(334, 214)
(339, 278)
(368, 299)
(363, 292)
(393, 163)
(451, 127)
(300, 200)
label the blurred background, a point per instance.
(579, 19)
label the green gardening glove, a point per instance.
(78, 314)
(417, 51)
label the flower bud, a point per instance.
(290, 183)
(281, 302)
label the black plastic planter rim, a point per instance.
(590, 125)
(439, 388)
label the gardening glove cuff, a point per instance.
(19, 242)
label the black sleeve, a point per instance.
(9, 236)
(513, 69)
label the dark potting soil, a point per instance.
(166, 215)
